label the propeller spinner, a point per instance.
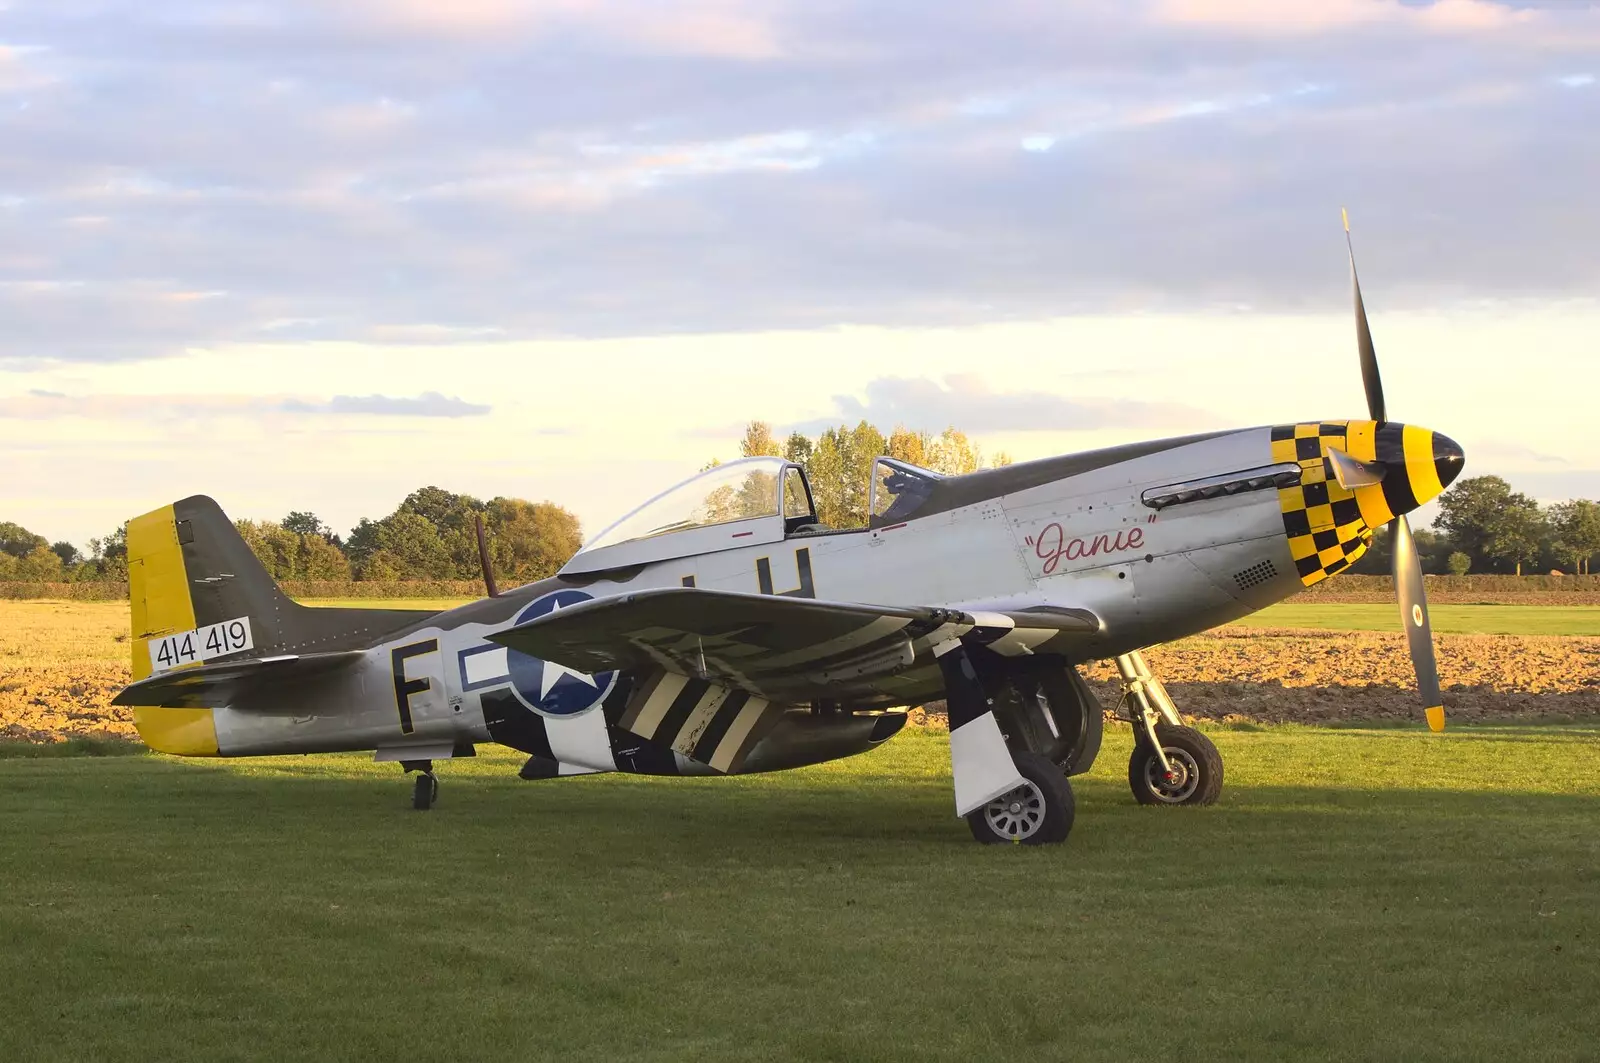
(1407, 564)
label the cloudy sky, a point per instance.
(314, 254)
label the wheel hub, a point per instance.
(1018, 815)
(1177, 785)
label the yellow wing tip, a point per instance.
(1436, 718)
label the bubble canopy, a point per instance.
(742, 503)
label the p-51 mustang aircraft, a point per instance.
(720, 629)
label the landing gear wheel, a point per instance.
(1039, 812)
(425, 792)
(1196, 776)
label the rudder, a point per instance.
(197, 592)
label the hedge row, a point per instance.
(1507, 590)
(1462, 584)
(78, 592)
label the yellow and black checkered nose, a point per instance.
(1329, 527)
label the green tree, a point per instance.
(433, 535)
(363, 541)
(758, 441)
(954, 454)
(273, 547)
(19, 541)
(380, 565)
(1459, 563)
(1433, 550)
(1490, 523)
(302, 523)
(68, 553)
(321, 559)
(409, 546)
(1518, 535)
(453, 518)
(41, 563)
(443, 509)
(287, 554)
(797, 448)
(1575, 531)
(108, 557)
(908, 446)
(530, 540)
(841, 466)
(37, 563)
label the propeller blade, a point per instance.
(1414, 615)
(1352, 473)
(1369, 357)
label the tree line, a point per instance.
(838, 462)
(431, 535)
(1483, 525)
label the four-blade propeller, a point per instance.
(1407, 564)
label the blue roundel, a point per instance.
(552, 689)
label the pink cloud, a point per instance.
(715, 28)
(1281, 18)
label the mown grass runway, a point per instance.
(1356, 895)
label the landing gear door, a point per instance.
(421, 701)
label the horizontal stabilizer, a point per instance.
(213, 686)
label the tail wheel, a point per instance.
(1039, 812)
(1195, 777)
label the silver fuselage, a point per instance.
(1087, 541)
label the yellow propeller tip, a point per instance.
(1346, 216)
(1436, 718)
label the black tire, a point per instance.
(425, 792)
(1194, 759)
(1049, 795)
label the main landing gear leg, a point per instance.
(425, 793)
(1171, 764)
(1022, 798)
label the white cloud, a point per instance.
(428, 404)
(380, 172)
(968, 402)
(1274, 18)
(49, 405)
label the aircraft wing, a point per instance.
(777, 647)
(215, 685)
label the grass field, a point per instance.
(1446, 619)
(1357, 895)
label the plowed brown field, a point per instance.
(1277, 676)
(61, 663)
